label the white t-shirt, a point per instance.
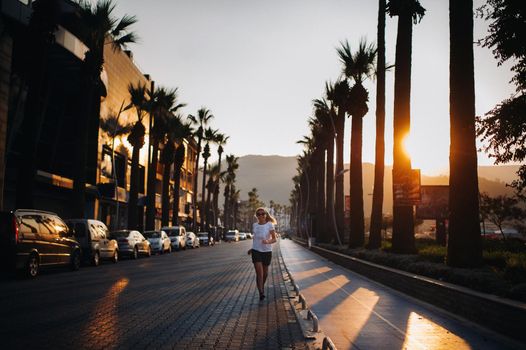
(262, 232)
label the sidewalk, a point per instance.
(357, 313)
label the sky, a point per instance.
(257, 65)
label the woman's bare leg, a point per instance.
(258, 266)
(265, 275)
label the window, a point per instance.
(47, 226)
(28, 226)
(60, 227)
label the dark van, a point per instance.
(33, 239)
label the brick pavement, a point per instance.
(197, 299)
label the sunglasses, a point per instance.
(261, 214)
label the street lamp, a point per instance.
(334, 211)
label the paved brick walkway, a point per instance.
(195, 299)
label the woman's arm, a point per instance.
(272, 238)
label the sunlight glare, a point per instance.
(421, 330)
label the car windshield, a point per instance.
(152, 234)
(201, 235)
(119, 234)
(230, 233)
(174, 232)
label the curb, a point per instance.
(306, 318)
(498, 314)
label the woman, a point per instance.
(263, 237)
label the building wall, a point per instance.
(6, 48)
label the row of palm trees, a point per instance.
(99, 30)
(317, 197)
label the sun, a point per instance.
(428, 153)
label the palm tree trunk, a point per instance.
(203, 210)
(329, 189)
(356, 238)
(339, 194)
(216, 194)
(208, 202)
(226, 207)
(196, 179)
(375, 235)
(151, 190)
(464, 247)
(165, 216)
(403, 226)
(134, 190)
(320, 189)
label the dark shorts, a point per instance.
(262, 257)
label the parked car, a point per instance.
(249, 235)
(232, 236)
(191, 240)
(203, 238)
(242, 236)
(131, 243)
(159, 241)
(95, 244)
(32, 239)
(177, 236)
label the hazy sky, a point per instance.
(258, 64)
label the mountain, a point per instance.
(272, 176)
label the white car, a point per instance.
(159, 241)
(95, 244)
(191, 240)
(131, 243)
(242, 236)
(177, 235)
(232, 236)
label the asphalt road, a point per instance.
(198, 298)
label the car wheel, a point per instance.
(75, 261)
(135, 253)
(115, 257)
(95, 260)
(32, 266)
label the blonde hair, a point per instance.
(269, 218)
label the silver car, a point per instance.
(203, 238)
(159, 241)
(131, 243)
(177, 236)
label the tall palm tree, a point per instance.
(213, 182)
(221, 141)
(162, 104)
(325, 113)
(375, 235)
(339, 96)
(209, 136)
(357, 67)
(114, 128)
(139, 101)
(99, 27)
(464, 247)
(172, 123)
(200, 121)
(230, 179)
(184, 132)
(408, 11)
(43, 24)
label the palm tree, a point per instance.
(99, 27)
(172, 123)
(230, 179)
(113, 128)
(375, 235)
(357, 67)
(136, 139)
(221, 141)
(162, 103)
(339, 96)
(180, 134)
(213, 182)
(408, 11)
(464, 247)
(201, 120)
(209, 136)
(325, 113)
(41, 35)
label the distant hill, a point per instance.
(272, 176)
